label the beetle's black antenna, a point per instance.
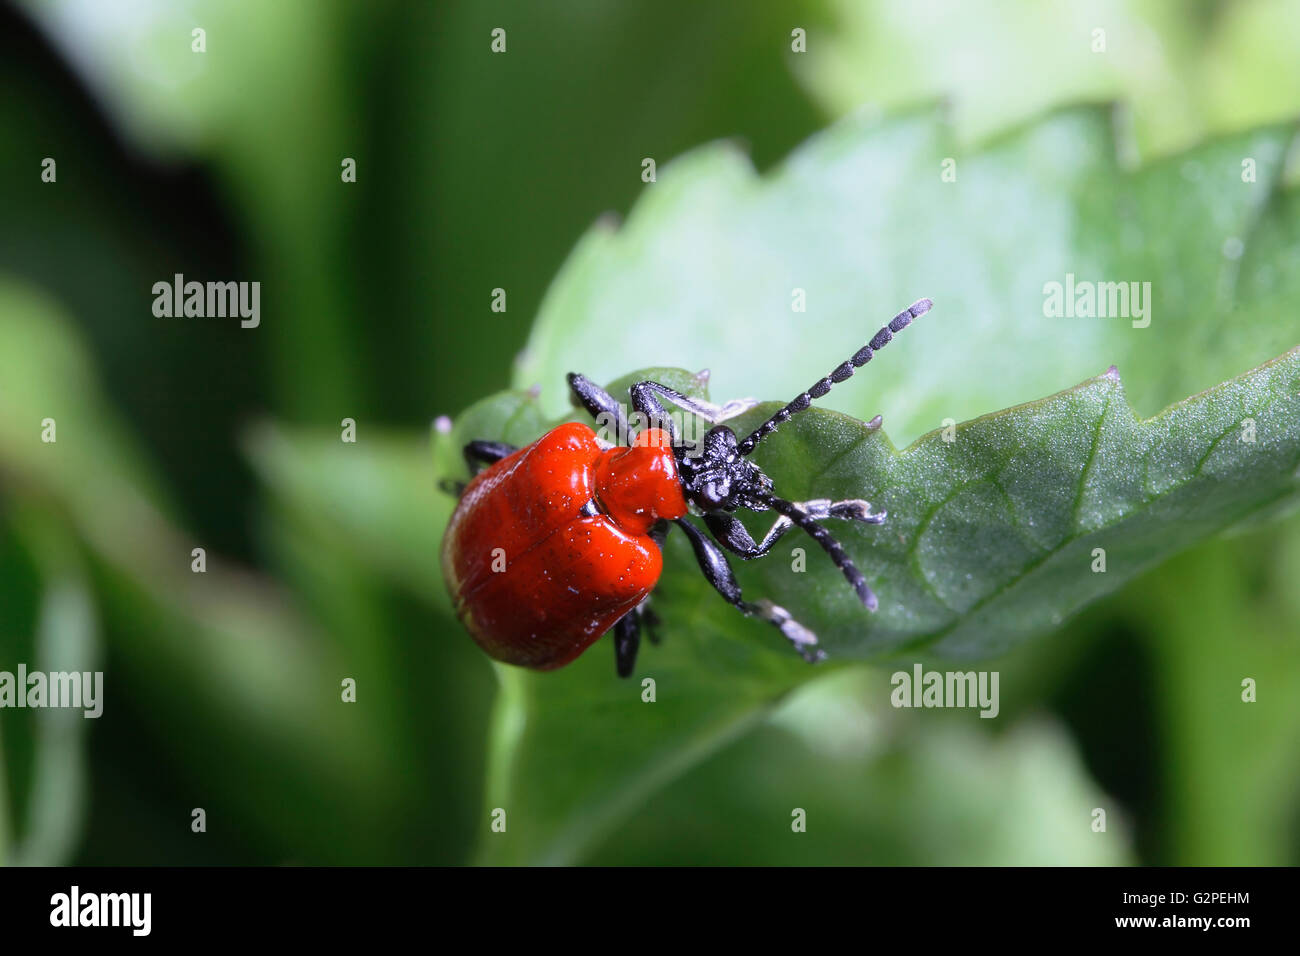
(837, 375)
(818, 533)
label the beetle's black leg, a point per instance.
(827, 542)
(713, 562)
(627, 632)
(649, 619)
(486, 453)
(735, 537)
(647, 403)
(650, 623)
(645, 399)
(713, 414)
(600, 405)
(476, 453)
(627, 640)
(659, 533)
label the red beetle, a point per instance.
(556, 543)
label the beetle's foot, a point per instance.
(804, 640)
(850, 509)
(856, 509)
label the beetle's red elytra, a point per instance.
(569, 575)
(556, 543)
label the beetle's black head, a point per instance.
(719, 478)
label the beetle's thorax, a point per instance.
(719, 478)
(638, 485)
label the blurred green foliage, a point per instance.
(478, 171)
(1183, 69)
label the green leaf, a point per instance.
(702, 273)
(992, 535)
